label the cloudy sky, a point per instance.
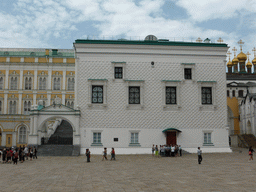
(57, 23)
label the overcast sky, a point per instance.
(58, 23)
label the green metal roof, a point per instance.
(171, 129)
(34, 54)
(132, 80)
(207, 81)
(188, 63)
(171, 81)
(167, 43)
(97, 79)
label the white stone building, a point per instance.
(133, 94)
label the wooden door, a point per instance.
(9, 140)
(171, 138)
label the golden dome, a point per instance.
(248, 64)
(241, 57)
(235, 61)
(254, 61)
(229, 64)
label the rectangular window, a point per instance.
(28, 83)
(42, 83)
(56, 84)
(71, 84)
(1, 82)
(170, 93)
(227, 93)
(118, 72)
(12, 107)
(207, 138)
(14, 83)
(188, 73)
(134, 137)
(97, 94)
(240, 93)
(134, 95)
(206, 95)
(96, 137)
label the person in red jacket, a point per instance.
(113, 154)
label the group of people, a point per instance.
(167, 150)
(104, 153)
(12, 155)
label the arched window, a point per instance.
(1, 82)
(27, 107)
(42, 83)
(14, 83)
(22, 135)
(12, 107)
(56, 84)
(28, 83)
(71, 84)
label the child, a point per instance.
(105, 154)
(113, 154)
(88, 155)
(153, 150)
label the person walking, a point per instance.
(16, 155)
(156, 151)
(104, 154)
(199, 153)
(30, 153)
(113, 154)
(88, 155)
(180, 150)
(153, 150)
(172, 150)
(35, 153)
(251, 153)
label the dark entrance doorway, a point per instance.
(171, 138)
(63, 135)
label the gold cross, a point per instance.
(254, 50)
(248, 54)
(234, 49)
(240, 42)
(229, 53)
(199, 40)
(220, 40)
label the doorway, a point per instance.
(9, 140)
(171, 138)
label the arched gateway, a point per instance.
(55, 125)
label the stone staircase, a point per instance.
(58, 150)
(248, 140)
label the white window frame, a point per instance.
(135, 83)
(42, 86)
(27, 104)
(14, 83)
(191, 66)
(211, 84)
(118, 64)
(171, 83)
(28, 83)
(95, 82)
(97, 143)
(1, 82)
(131, 143)
(13, 109)
(71, 83)
(56, 87)
(24, 136)
(208, 143)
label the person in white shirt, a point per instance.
(199, 153)
(172, 150)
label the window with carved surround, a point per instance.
(22, 135)
(207, 95)
(70, 104)
(208, 138)
(135, 94)
(42, 83)
(171, 97)
(28, 83)
(71, 84)
(97, 93)
(188, 71)
(12, 107)
(134, 138)
(1, 83)
(97, 138)
(118, 71)
(14, 83)
(56, 83)
(27, 107)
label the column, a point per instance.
(6, 79)
(21, 78)
(49, 98)
(31, 126)
(20, 103)
(64, 80)
(34, 99)
(63, 99)
(5, 103)
(49, 80)
(35, 79)
(76, 77)
(35, 125)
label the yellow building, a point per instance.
(28, 76)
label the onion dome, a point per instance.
(249, 64)
(254, 61)
(235, 61)
(229, 64)
(241, 57)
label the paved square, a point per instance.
(218, 172)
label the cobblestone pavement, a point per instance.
(218, 172)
